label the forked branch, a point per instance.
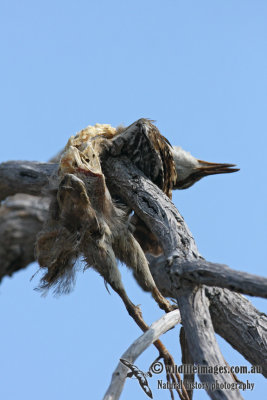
(178, 274)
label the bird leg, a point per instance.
(128, 250)
(136, 313)
(96, 229)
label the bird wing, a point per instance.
(151, 152)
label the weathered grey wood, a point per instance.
(240, 324)
(24, 177)
(198, 271)
(187, 359)
(157, 329)
(165, 222)
(228, 309)
(21, 218)
(152, 206)
(22, 215)
(204, 349)
(204, 272)
(233, 316)
(220, 275)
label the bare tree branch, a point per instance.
(177, 274)
(187, 359)
(207, 273)
(157, 329)
(240, 324)
(194, 307)
(28, 177)
(233, 316)
(21, 218)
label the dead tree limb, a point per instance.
(153, 207)
(204, 348)
(180, 272)
(21, 218)
(240, 324)
(187, 359)
(157, 329)
(24, 177)
(234, 317)
(211, 274)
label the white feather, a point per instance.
(185, 163)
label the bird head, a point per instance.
(190, 170)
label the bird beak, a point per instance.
(207, 168)
(203, 169)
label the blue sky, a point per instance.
(198, 69)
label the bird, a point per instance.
(148, 150)
(169, 167)
(82, 195)
(83, 221)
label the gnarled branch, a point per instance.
(179, 273)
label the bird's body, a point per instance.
(148, 150)
(169, 167)
(85, 220)
(142, 143)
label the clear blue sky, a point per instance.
(199, 69)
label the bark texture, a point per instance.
(205, 292)
(21, 218)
